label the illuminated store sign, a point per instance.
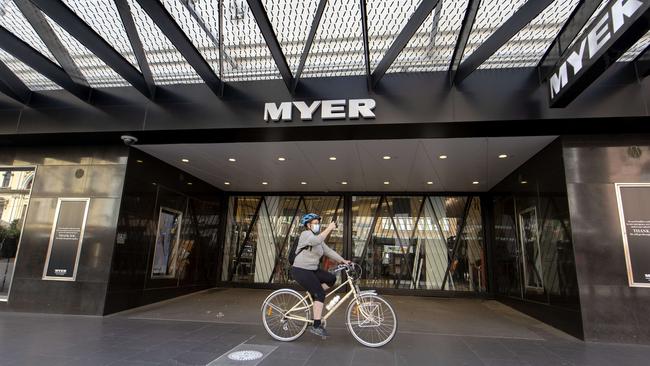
(329, 109)
(618, 26)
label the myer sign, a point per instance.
(328, 109)
(615, 29)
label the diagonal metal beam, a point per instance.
(73, 24)
(310, 40)
(521, 18)
(157, 11)
(463, 36)
(366, 44)
(34, 59)
(419, 16)
(642, 63)
(126, 16)
(266, 28)
(12, 86)
(576, 21)
(45, 32)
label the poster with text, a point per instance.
(66, 239)
(634, 213)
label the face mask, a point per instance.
(315, 228)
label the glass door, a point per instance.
(15, 189)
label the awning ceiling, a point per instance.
(337, 48)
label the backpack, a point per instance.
(292, 250)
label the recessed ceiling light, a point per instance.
(189, 183)
(185, 160)
(154, 183)
(443, 156)
(226, 183)
(265, 183)
(344, 182)
(475, 182)
(429, 183)
(524, 182)
(139, 161)
(386, 157)
(282, 159)
(386, 182)
(503, 156)
(303, 183)
(232, 159)
(332, 158)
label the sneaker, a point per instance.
(320, 331)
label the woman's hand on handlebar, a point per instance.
(346, 262)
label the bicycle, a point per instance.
(371, 320)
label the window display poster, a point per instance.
(634, 213)
(66, 239)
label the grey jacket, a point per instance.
(309, 259)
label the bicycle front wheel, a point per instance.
(274, 312)
(371, 320)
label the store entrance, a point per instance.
(408, 242)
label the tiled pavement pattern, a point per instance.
(28, 339)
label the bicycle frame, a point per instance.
(353, 292)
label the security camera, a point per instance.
(129, 140)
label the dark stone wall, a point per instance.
(102, 181)
(611, 310)
(540, 282)
(151, 184)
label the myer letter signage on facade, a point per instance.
(615, 29)
(65, 239)
(634, 213)
(328, 109)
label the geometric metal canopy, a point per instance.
(225, 40)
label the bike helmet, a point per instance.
(308, 217)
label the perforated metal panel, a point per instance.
(291, 21)
(432, 47)
(338, 45)
(528, 46)
(31, 78)
(167, 64)
(491, 15)
(95, 70)
(636, 49)
(12, 19)
(244, 42)
(199, 20)
(103, 17)
(385, 21)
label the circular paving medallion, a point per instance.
(245, 355)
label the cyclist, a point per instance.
(305, 270)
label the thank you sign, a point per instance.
(634, 213)
(66, 239)
(615, 29)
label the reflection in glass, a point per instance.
(15, 188)
(532, 259)
(412, 242)
(260, 230)
(167, 248)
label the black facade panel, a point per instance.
(536, 277)
(96, 173)
(612, 310)
(151, 184)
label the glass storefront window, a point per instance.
(260, 230)
(167, 248)
(411, 242)
(14, 200)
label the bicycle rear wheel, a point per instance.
(274, 309)
(371, 321)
